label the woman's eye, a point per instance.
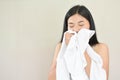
(71, 26)
(81, 25)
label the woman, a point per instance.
(79, 17)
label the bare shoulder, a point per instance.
(52, 71)
(103, 51)
(101, 48)
(57, 49)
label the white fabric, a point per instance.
(71, 61)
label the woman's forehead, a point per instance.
(76, 18)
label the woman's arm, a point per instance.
(52, 72)
(104, 53)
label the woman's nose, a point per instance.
(76, 29)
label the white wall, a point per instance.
(30, 30)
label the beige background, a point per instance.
(30, 30)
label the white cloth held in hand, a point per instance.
(71, 61)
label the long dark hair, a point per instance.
(83, 11)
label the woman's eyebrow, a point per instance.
(80, 21)
(70, 23)
(73, 23)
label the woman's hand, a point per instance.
(67, 37)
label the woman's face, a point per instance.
(76, 22)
